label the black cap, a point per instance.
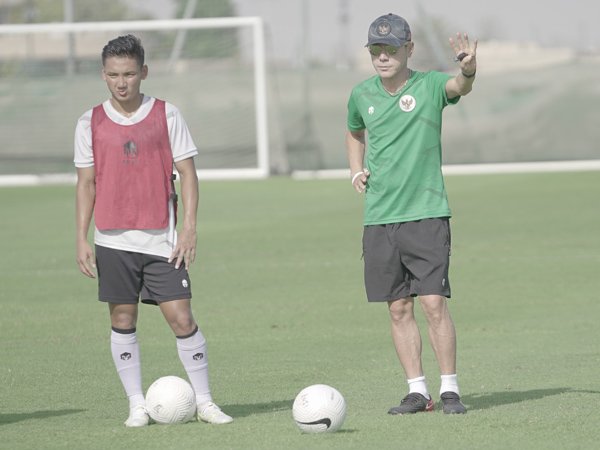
(389, 29)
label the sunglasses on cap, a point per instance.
(378, 49)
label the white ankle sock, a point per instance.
(449, 384)
(192, 353)
(418, 385)
(126, 356)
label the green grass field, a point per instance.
(278, 294)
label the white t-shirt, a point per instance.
(153, 242)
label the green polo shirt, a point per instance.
(404, 150)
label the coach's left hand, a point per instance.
(466, 54)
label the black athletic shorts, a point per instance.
(127, 277)
(407, 259)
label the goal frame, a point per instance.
(262, 169)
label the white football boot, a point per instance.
(210, 413)
(138, 417)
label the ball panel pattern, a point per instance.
(170, 400)
(319, 408)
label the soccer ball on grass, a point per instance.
(170, 400)
(319, 408)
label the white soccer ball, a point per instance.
(319, 408)
(170, 400)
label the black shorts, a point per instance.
(407, 259)
(127, 277)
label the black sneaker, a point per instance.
(452, 404)
(412, 403)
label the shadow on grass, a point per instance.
(493, 399)
(5, 419)
(252, 409)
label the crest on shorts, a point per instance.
(407, 103)
(384, 28)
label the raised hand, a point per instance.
(466, 54)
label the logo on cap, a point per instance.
(389, 29)
(384, 28)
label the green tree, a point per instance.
(217, 43)
(43, 11)
(207, 8)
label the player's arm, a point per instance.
(84, 208)
(185, 250)
(355, 148)
(466, 56)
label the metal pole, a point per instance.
(343, 58)
(305, 70)
(188, 13)
(69, 16)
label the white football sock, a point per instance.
(418, 385)
(192, 353)
(126, 355)
(449, 384)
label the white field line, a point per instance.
(473, 169)
(71, 178)
(450, 169)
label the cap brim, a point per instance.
(393, 42)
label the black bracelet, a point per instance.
(468, 76)
(460, 56)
